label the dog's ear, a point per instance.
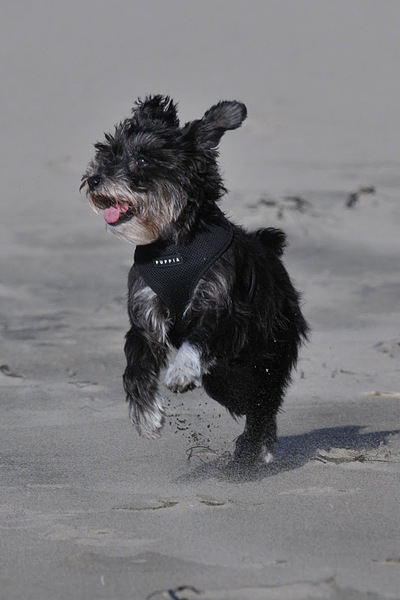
(219, 118)
(156, 108)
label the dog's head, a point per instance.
(151, 178)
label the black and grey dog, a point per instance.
(218, 294)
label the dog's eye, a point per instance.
(141, 162)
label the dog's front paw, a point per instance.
(185, 373)
(148, 420)
(178, 380)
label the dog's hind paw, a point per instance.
(266, 456)
(246, 452)
(185, 373)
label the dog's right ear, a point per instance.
(219, 118)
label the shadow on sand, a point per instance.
(293, 452)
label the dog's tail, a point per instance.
(272, 238)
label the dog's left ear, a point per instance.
(219, 118)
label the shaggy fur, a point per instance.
(239, 334)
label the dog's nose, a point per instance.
(93, 181)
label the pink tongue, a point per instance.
(113, 213)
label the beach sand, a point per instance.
(88, 509)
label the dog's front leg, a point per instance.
(186, 371)
(145, 357)
(197, 353)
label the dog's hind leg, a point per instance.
(247, 390)
(256, 443)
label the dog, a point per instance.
(215, 292)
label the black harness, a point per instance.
(173, 270)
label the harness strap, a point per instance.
(173, 270)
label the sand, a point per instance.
(88, 509)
